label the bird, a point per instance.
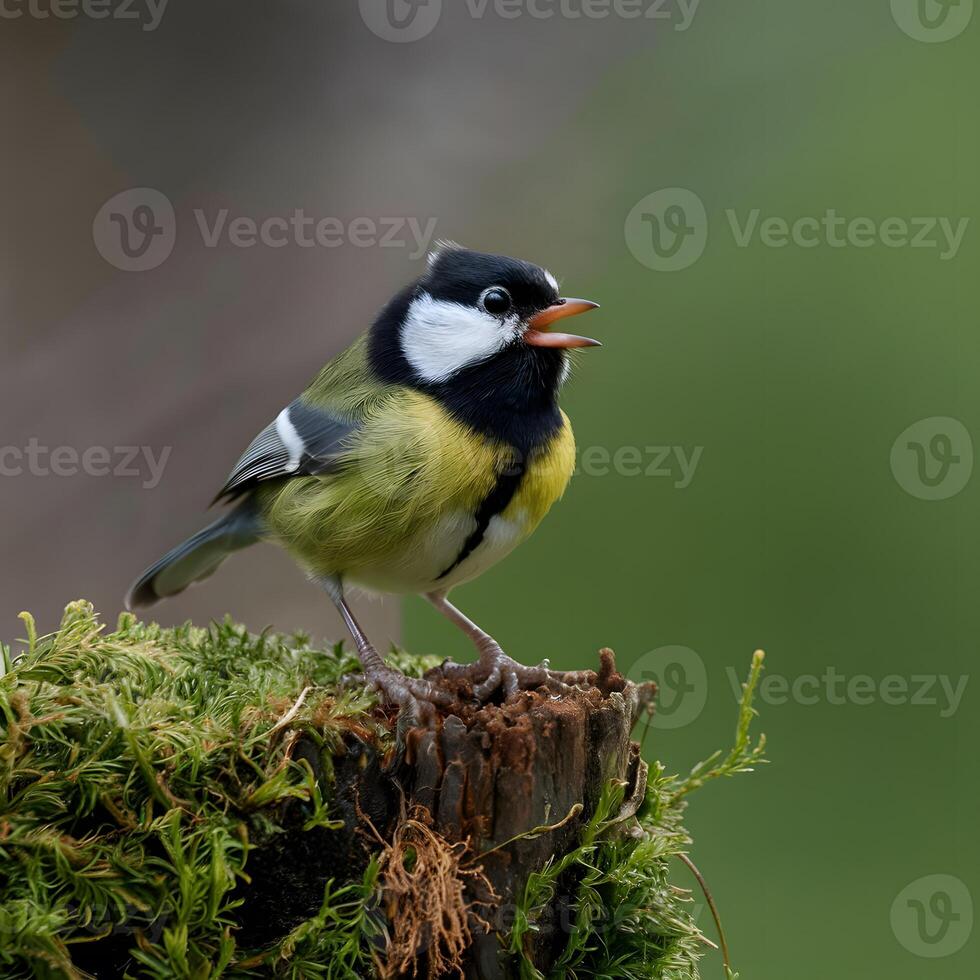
(417, 458)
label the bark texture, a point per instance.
(481, 781)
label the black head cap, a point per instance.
(459, 275)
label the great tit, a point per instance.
(418, 457)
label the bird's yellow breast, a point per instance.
(403, 502)
(548, 472)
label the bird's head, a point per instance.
(474, 316)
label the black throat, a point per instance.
(512, 397)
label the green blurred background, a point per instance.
(796, 370)
(786, 379)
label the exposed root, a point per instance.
(424, 882)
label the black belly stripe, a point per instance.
(494, 503)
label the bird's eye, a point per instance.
(496, 300)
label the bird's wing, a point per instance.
(303, 440)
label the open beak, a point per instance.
(538, 333)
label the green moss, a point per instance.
(140, 769)
(625, 917)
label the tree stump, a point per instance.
(539, 760)
(454, 818)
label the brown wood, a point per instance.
(483, 779)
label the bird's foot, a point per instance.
(418, 701)
(495, 670)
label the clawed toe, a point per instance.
(495, 670)
(426, 691)
(418, 701)
(514, 677)
(484, 690)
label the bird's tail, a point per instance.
(198, 557)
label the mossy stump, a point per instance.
(537, 762)
(206, 803)
(501, 790)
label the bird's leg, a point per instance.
(416, 699)
(495, 668)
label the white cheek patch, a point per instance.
(440, 338)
